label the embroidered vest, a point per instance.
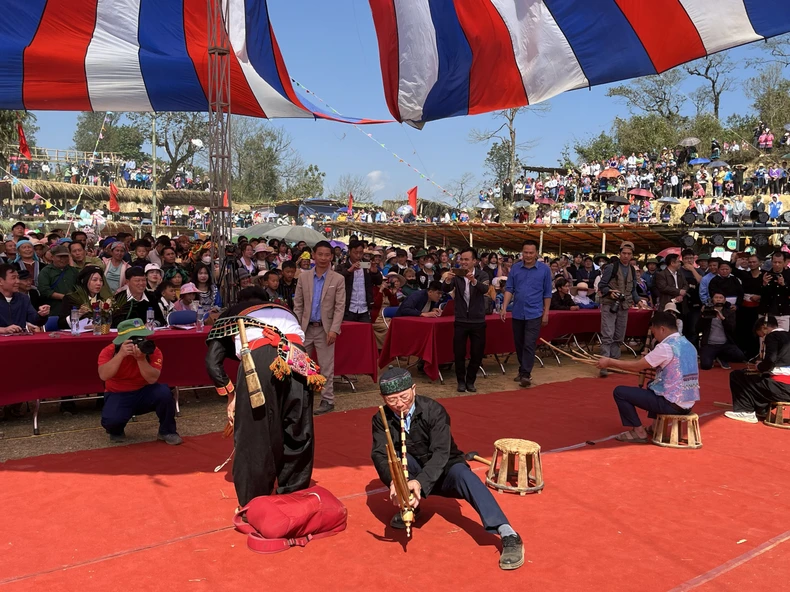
(678, 381)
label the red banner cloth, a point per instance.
(113, 205)
(431, 339)
(24, 149)
(350, 204)
(412, 193)
(184, 353)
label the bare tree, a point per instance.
(773, 51)
(700, 98)
(506, 133)
(462, 191)
(716, 70)
(659, 94)
(356, 185)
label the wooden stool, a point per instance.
(778, 412)
(514, 453)
(668, 431)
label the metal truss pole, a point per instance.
(219, 119)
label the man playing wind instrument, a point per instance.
(435, 465)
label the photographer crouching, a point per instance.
(717, 323)
(130, 367)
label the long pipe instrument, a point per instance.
(399, 473)
(257, 399)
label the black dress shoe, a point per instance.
(461, 387)
(512, 552)
(470, 387)
(324, 407)
(397, 520)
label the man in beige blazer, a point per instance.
(319, 305)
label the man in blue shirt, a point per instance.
(529, 286)
(713, 271)
(16, 311)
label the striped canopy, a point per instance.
(139, 55)
(443, 58)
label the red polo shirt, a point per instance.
(128, 378)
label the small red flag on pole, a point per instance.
(225, 199)
(413, 199)
(114, 207)
(24, 149)
(350, 204)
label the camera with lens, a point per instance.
(711, 312)
(617, 304)
(146, 346)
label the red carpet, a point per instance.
(612, 516)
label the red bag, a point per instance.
(278, 522)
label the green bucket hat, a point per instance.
(420, 253)
(131, 328)
(395, 380)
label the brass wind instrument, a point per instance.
(399, 473)
(253, 384)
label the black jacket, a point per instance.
(560, 301)
(704, 324)
(777, 352)
(344, 270)
(730, 286)
(429, 441)
(475, 313)
(775, 299)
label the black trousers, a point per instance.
(357, 317)
(748, 342)
(756, 392)
(726, 352)
(525, 336)
(120, 407)
(476, 335)
(690, 332)
(459, 482)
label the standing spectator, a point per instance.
(358, 284)
(529, 286)
(774, 208)
(58, 279)
(470, 317)
(713, 271)
(747, 313)
(775, 295)
(692, 302)
(287, 286)
(18, 312)
(115, 267)
(618, 291)
(727, 284)
(671, 284)
(319, 304)
(717, 324)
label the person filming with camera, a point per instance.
(130, 367)
(717, 323)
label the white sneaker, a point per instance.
(747, 416)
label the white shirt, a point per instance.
(357, 303)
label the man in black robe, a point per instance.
(274, 442)
(436, 466)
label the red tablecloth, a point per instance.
(42, 366)
(431, 339)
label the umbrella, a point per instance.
(294, 234)
(669, 200)
(718, 164)
(610, 173)
(337, 243)
(404, 210)
(669, 251)
(545, 200)
(616, 199)
(689, 142)
(787, 127)
(786, 155)
(486, 205)
(697, 161)
(521, 204)
(641, 193)
(255, 229)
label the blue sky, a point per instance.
(331, 49)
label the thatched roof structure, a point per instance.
(54, 191)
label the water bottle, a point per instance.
(149, 319)
(199, 320)
(96, 319)
(75, 321)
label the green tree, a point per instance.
(650, 132)
(596, 148)
(308, 182)
(498, 163)
(770, 95)
(258, 152)
(118, 137)
(9, 137)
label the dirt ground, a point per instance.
(203, 411)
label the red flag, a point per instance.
(114, 207)
(350, 204)
(24, 149)
(225, 199)
(413, 199)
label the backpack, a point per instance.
(276, 523)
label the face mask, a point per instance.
(581, 294)
(492, 265)
(206, 259)
(429, 266)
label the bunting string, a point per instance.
(369, 135)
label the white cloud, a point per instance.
(377, 180)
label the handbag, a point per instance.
(278, 522)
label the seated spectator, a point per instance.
(422, 303)
(582, 300)
(115, 267)
(411, 285)
(187, 298)
(18, 312)
(245, 279)
(561, 298)
(80, 258)
(717, 323)
(27, 258)
(753, 392)
(57, 280)
(165, 298)
(270, 282)
(178, 275)
(208, 296)
(153, 276)
(130, 368)
(134, 301)
(673, 391)
(91, 289)
(27, 287)
(384, 296)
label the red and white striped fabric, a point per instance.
(139, 55)
(442, 58)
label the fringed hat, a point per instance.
(395, 380)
